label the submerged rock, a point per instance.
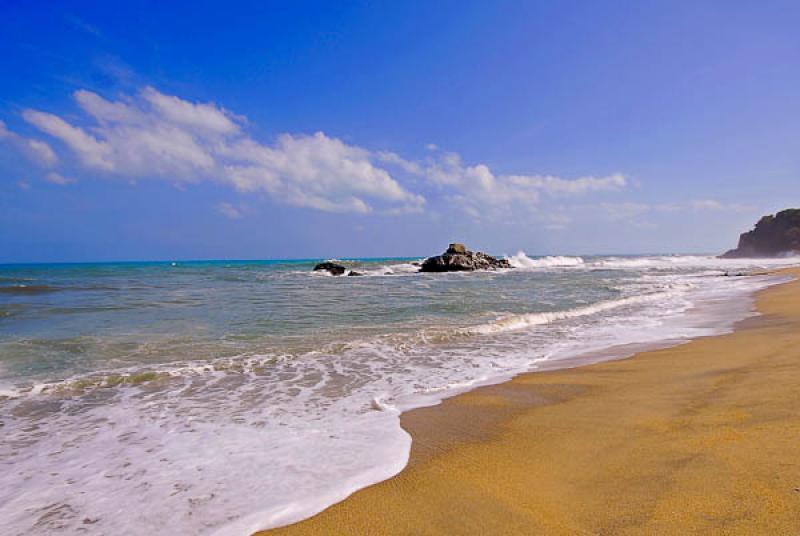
(330, 267)
(773, 236)
(458, 258)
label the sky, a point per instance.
(258, 130)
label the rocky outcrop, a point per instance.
(773, 236)
(458, 258)
(330, 267)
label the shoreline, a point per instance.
(461, 442)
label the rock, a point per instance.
(353, 273)
(773, 236)
(330, 267)
(458, 258)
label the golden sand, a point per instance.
(702, 438)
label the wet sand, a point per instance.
(702, 438)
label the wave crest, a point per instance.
(521, 260)
(525, 320)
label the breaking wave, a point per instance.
(521, 321)
(521, 260)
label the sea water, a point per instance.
(226, 397)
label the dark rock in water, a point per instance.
(330, 267)
(458, 258)
(353, 273)
(457, 249)
(773, 236)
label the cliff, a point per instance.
(773, 236)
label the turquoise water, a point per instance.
(58, 321)
(227, 396)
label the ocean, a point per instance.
(223, 397)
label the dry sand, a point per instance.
(702, 438)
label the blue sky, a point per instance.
(168, 130)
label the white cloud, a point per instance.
(92, 152)
(153, 135)
(229, 211)
(23, 185)
(39, 152)
(36, 151)
(207, 117)
(476, 186)
(107, 111)
(315, 171)
(394, 158)
(56, 178)
(579, 186)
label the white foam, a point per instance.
(521, 260)
(260, 441)
(388, 269)
(670, 262)
(185, 474)
(9, 392)
(393, 269)
(514, 322)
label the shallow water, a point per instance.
(223, 397)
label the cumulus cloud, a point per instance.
(39, 152)
(127, 141)
(36, 151)
(315, 171)
(206, 117)
(394, 158)
(476, 187)
(92, 152)
(152, 135)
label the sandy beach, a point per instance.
(702, 438)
